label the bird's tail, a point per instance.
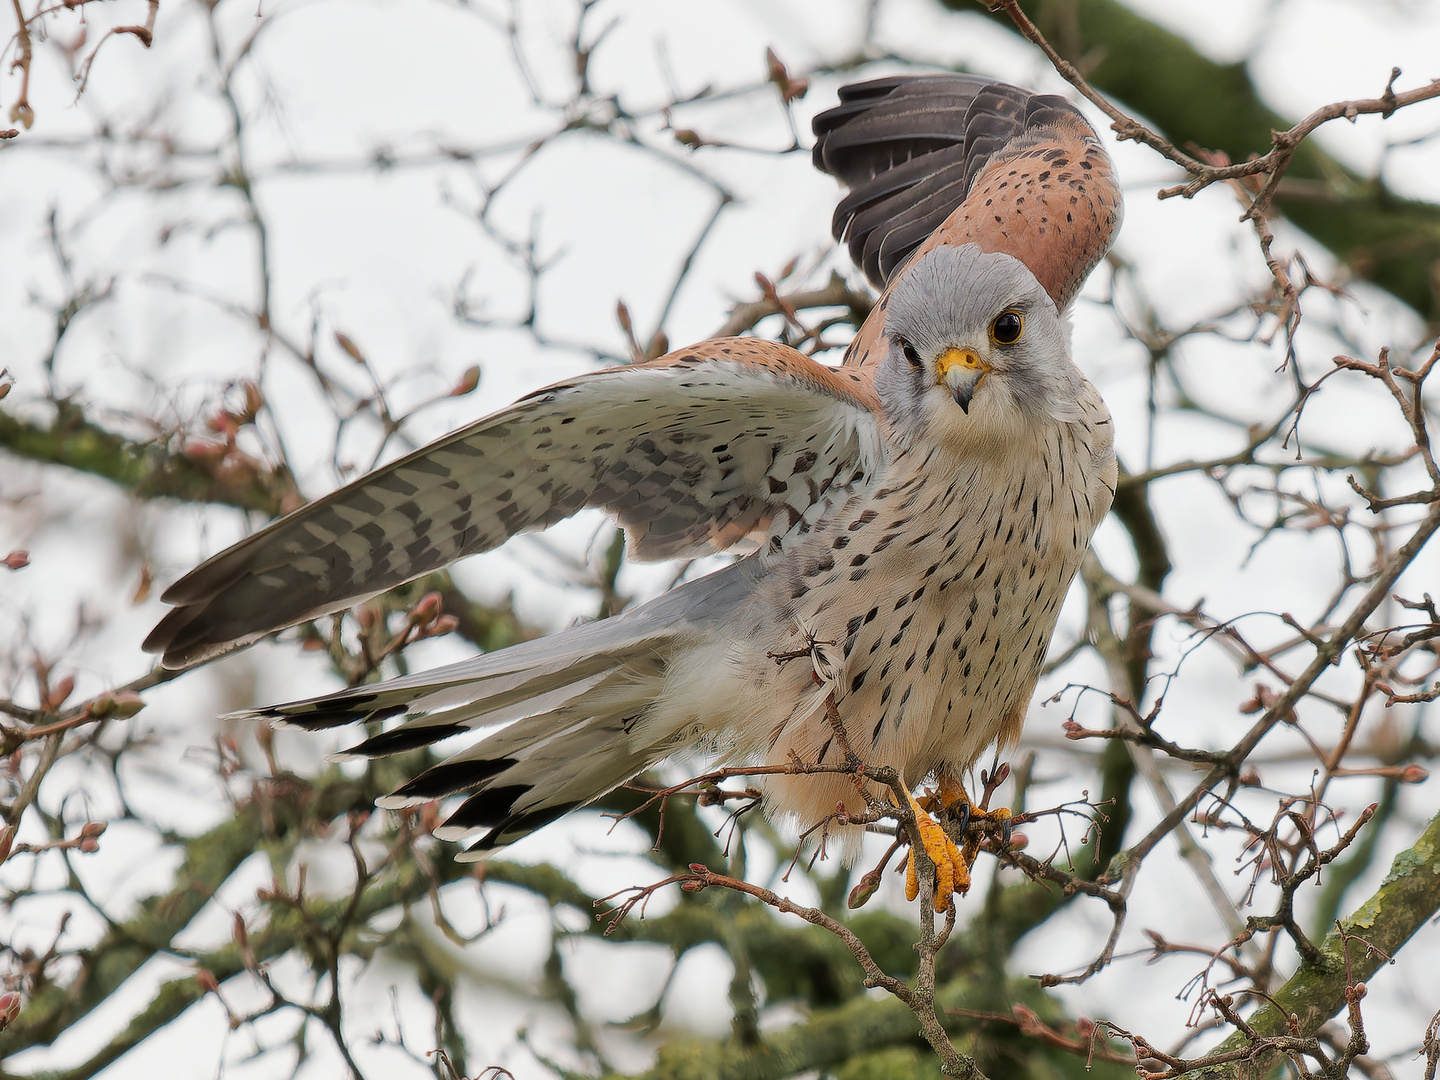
(567, 709)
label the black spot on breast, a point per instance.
(819, 566)
(864, 519)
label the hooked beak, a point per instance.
(960, 372)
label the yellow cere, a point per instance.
(965, 358)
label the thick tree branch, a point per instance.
(1406, 901)
(146, 469)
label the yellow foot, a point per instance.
(952, 873)
(952, 864)
(952, 799)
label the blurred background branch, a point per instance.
(264, 250)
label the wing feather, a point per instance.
(914, 150)
(691, 453)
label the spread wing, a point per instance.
(915, 149)
(691, 453)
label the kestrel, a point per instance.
(917, 513)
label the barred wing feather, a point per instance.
(691, 453)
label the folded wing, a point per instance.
(691, 453)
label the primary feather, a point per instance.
(691, 453)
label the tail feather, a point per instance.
(552, 761)
(510, 811)
(564, 712)
(500, 679)
(487, 712)
(553, 776)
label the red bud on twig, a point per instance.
(790, 88)
(426, 609)
(445, 624)
(254, 399)
(351, 349)
(864, 889)
(9, 1008)
(119, 706)
(469, 380)
(56, 694)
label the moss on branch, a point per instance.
(865, 1034)
(1408, 898)
(146, 469)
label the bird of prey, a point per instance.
(916, 513)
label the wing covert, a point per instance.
(691, 453)
(913, 150)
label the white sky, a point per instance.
(378, 255)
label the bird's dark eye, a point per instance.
(911, 356)
(1007, 328)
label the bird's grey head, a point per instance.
(976, 348)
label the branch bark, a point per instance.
(1408, 898)
(1391, 241)
(146, 469)
(864, 1025)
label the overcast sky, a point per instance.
(381, 256)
